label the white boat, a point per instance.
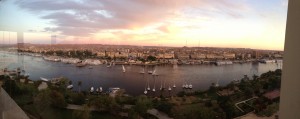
(217, 84)
(70, 86)
(108, 66)
(44, 79)
(153, 89)
(143, 71)
(154, 72)
(26, 74)
(169, 88)
(186, 86)
(124, 70)
(174, 86)
(148, 87)
(113, 90)
(190, 86)
(145, 92)
(100, 89)
(92, 89)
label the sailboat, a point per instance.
(150, 72)
(143, 71)
(186, 86)
(169, 88)
(148, 88)
(154, 72)
(145, 92)
(161, 85)
(174, 86)
(190, 86)
(217, 84)
(154, 85)
(124, 70)
(108, 66)
(100, 89)
(92, 89)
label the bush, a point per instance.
(57, 99)
(164, 106)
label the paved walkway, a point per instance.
(154, 112)
(158, 114)
(253, 116)
(80, 107)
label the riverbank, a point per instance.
(109, 61)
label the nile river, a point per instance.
(200, 76)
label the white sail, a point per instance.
(142, 71)
(124, 70)
(92, 89)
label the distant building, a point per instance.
(229, 55)
(255, 54)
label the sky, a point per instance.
(257, 24)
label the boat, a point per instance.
(124, 70)
(97, 90)
(145, 92)
(108, 66)
(70, 86)
(169, 88)
(186, 86)
(190, 86)
(217, 84)
(154, 72)
(161, 86)
(113, 90)
(148, 88)
(100, 89)
(92, 89)
(150, 72)
(143, 71)
(174, 86)
(26, 75)
(44, 79)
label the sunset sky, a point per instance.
(258, 24)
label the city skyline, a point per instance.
(236, 24)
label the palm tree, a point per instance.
(79, 83)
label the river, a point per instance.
(200, 76)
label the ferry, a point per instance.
(44, 79)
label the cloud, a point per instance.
(78, 18)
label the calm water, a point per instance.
(200, 76)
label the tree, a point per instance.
(142, 105)
(151, 58)
(57, 99)
(42, 100)
(164, 106)
(11, 87)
